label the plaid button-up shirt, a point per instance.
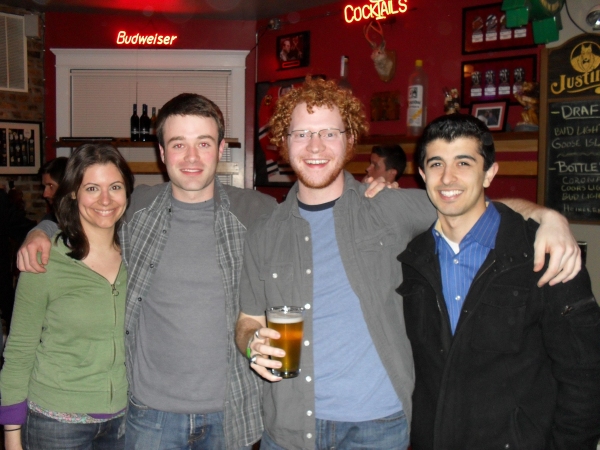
(143, 238)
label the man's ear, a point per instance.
(221, 148)
(490, 174)
(422, 175)
(162, 153)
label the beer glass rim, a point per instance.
(286, 309)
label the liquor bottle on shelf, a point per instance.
(417, 100)
(153, 125)
(135, 125)
(144, 124)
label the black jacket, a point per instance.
(523, 368)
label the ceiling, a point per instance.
(208, 9)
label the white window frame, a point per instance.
(125, 59)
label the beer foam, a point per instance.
(279, 317)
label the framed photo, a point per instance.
(484, 30)
(293, 50)
(385, 106)
(269, 168)
(20, 147)
(496, 79)
(492, 114)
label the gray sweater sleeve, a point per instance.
(48, 227)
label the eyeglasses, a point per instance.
(327, 135)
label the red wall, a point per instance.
(100, 31)
(429, 30)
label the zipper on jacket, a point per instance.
(568, 308)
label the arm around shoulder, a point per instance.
(553, 237)
(36, 243)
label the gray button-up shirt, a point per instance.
(278, 271)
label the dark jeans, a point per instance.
(389, 433)
(44, 433)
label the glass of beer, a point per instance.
(289, 322)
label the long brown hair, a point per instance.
(65, 200)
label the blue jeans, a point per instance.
(41, 432)
(150, 429)
(388, 433)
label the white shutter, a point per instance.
(102, 100)
(13, 53)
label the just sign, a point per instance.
(376, 9)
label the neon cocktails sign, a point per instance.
(376, 9)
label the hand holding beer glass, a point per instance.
(288, 321)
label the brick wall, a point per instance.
(27, 106)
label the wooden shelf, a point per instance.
(521, 143)
(153, 166)
(127, 143)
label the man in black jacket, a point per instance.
(500, 362)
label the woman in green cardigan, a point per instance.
(63, 384)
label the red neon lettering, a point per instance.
(377, 9)
(140, 39)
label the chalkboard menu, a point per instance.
(573, 159)
(569, 169)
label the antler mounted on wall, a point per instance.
(384, 60)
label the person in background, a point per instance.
(332, 251)
(499, 361)
(52, 173)
(63, 384)
(387, 161)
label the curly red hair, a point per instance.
(316, 92)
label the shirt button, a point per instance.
(307, 306)
(308, 379)
(274, 275)
(455, 261)
(139, 299)
(152, 266)
(309, 435)
(127, 332)
(457, 298)
(306, 343)
(308, 271)
(164, 231)
(118, 283)
(309, 413)
(306, 238)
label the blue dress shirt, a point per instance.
(459, 269)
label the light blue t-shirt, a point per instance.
(351, 384)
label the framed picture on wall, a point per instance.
(496, 79)
(484, 30)
(269, 168)
(493, 114)
(20, 147)
(293, 50)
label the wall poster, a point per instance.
(20, 147)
